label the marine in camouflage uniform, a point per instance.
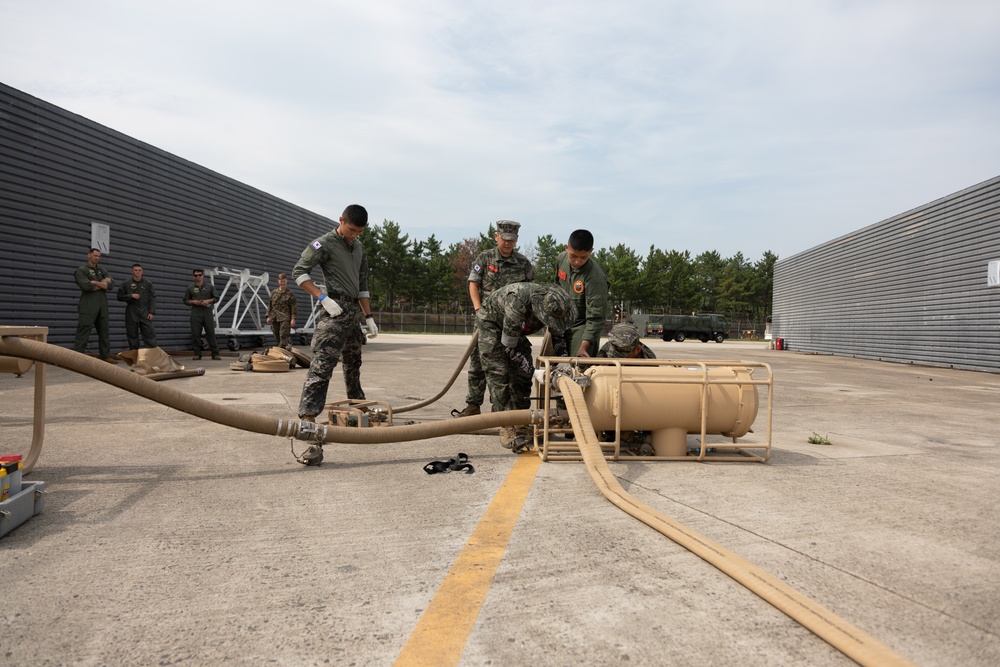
(341, 258)
(492, 269)
(94, 283)
(505, 320)
(623, 343)
(140, 307)
(587, 286)
(281, 311)
(200, 296)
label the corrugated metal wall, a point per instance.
(910, 289)
(59, 172)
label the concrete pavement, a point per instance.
(171, 540)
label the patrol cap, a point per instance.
(624, 334)
(507, 229)
(552, 307)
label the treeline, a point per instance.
(407, 275)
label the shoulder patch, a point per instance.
(317, 245)
(477, 268)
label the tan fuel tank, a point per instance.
(667, 400)
(15, 365)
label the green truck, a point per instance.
(706, 327)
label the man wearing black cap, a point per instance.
(491, 270)
(586, 284)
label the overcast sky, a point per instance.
(728, 125)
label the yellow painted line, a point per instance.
(444, 627)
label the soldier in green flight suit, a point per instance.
(94, 283)
(201, 297)
(587, 286)
(140, 308)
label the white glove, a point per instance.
(539, 376)
(372, 329)
(330, 306)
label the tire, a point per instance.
(233, 344)
(679, 336)
(703, 338)
(719, 338)
(667, 336)
(303, 339)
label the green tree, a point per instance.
(545, 252)
(621, 264)
(707, 278)
(461, 256)
(392, 264)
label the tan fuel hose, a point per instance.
(248, 421)
(853, 642)
(846, 638)
(447, 385)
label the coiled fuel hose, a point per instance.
(852, 641)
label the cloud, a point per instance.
(718, 125)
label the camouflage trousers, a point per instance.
(282, 333)
(332, 336)
(477, 378)
(351, 362)
(509, 390)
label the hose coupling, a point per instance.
(311, 431)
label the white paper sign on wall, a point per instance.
(100, 237)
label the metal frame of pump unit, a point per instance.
(568, 449)
(38, 425)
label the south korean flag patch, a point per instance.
(477, 268)
(317, 245)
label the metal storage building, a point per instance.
(62, 176)
(921, 287)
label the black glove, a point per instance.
(522, 367)
(559, 345)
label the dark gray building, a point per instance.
(67, 183)
(921, 287)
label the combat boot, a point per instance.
(508, 434)
(524, 439)
(470, 410)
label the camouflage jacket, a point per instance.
(611, 352)
(510, 311)
(281, 305)
(492, 271)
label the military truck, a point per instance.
(706, 327)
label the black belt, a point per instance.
(461, 462)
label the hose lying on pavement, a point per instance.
(249, 421)
(838, 633)
(447, 385)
